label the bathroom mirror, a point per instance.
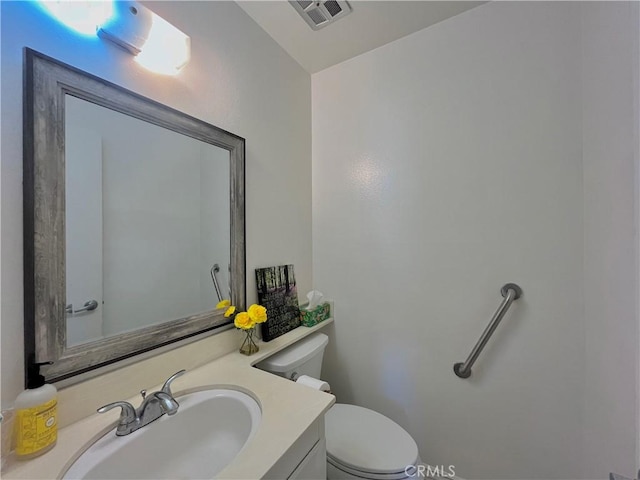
(134, 221)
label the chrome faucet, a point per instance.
(153, 406)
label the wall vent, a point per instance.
(319, 14)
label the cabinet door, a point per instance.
(314, 465)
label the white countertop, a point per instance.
(288, 409)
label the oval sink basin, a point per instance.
(210, 428)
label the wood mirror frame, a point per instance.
(47, 81)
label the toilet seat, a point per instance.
(344, 472)
(367, 444)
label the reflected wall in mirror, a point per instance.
(129, 204)
(147, 218)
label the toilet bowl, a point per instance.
(361, 443)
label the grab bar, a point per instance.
(215, 269)
(510, 292)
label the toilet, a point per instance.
(361, 443)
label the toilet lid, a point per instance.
(367, 441)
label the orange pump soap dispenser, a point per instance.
(36, 416)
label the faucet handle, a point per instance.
(168, 404)
(127, 415)
(166, 388)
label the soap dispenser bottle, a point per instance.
(36, 425)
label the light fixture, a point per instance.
(157, 45)
(128, 27)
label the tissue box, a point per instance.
(309, 318)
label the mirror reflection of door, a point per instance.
(83, 233)
(148, 215)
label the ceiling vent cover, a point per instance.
(319, 14)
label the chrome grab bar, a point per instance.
(215, 269)
(510, 292)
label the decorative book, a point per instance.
(278, 294)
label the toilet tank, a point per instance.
(302, 358)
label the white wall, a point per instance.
(237, 79)
(610, 135)
(446, 164)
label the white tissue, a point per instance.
(313, 383)
(315, 298)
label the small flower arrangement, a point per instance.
(245, 321)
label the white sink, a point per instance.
(209, 430)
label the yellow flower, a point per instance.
(223, 304)
(229, 311)
(244, 321)
(257, 313)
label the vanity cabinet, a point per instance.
(314, 465)
(306, 458)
